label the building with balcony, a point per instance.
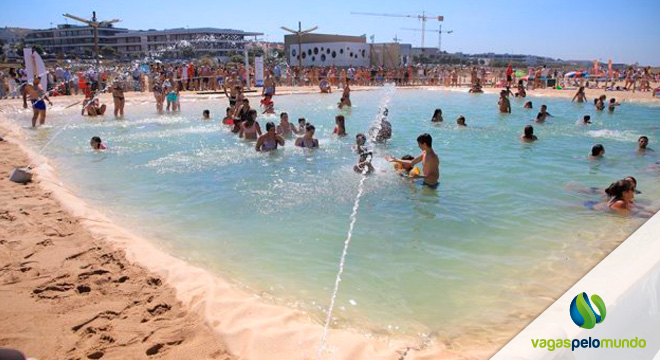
(73, 39)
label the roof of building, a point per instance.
(190, 31)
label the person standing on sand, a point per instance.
(429, 159)
(509, 74)
(504, 103)
(37, 97)
(118, 98)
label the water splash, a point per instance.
(389, 91)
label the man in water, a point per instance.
(206, 114)
(234, 88)
(505, 105)
(643, 143)
(429, 159)
(540, 117)
(37, 97)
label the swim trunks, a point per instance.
(422, 183)
(38, 105)
(232, 101)
(269, 91)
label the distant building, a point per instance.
(203, 41)
(327, 50)
(79, 40)
(73, 39)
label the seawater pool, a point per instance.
(505, 233)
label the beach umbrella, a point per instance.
(570, 74)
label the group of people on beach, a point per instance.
(242, 118)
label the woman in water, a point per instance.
(437, 116)
(158, 95)
(228, 119)
(250, 129)
(285, 128)
(460, 121)
(340, 125)
(118, 98)
(308, 140)
(528, 105)
(269, 140)
(580, 96)
(528, 134)
(620, 197)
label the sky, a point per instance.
(624, 31)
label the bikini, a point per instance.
(268, 145)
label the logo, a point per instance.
(583, 314)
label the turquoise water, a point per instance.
(505, 232)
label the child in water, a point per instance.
(364, 161)
(97, 144)
(229, 119)
(206, 115)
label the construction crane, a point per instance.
(299, 34)
(423, 18)
(94, 23)
(439, 31)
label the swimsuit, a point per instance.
(38, 104)
(270, 91)
(171, 97)
(302, 144)
(423, 183)
(268, 145)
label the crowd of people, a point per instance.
(167, 81)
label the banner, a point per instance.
(259, 70)
(34, 66)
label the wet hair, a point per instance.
(340, 118)
(228, 109)
(631, 178)
(206, 112)
(302, 120)
(250, 113)
(283, 114)
(544, 106)
(270, 125)
(96, 139)
(425, 139)
(460, 119)
(407, 157)
(643, 137)
(616, 189)
(528, 103)
(612, 100)
(309, 127)
(528, 131)
(437, 112)
(360, 138)
(586, 118)
(246, 101)
(597, 149)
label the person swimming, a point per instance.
(620, 197)
(340, 125)
(504, 103)
(302, 125)
(543, 114)
(597, 151)
(228, 119)
(308, 140)
(528, 134)
(460, 121)
(206, 115)
(365, 156)
(643, 143)
(97, 144)
(528, 105)
(250, 129)
(269, 140)
(612, 105)
(429, 159)
(437, 116)
(586, 120)
(285, 128)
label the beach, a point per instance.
(98, 292)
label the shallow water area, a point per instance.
(505, 232)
